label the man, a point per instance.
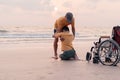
(66, 20)
(66, 44)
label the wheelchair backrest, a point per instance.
(116, 34)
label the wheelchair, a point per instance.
(106, 51)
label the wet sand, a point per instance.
(32, 61)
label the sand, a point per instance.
(32, 61)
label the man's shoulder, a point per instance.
(60, 19)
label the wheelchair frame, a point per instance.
(106, 52)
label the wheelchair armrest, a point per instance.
(103, 37)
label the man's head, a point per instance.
(69, 17)
(65, 29)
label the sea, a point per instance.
(36, 34)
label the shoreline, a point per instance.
(39, 40)
(33, 61)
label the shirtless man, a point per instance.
(61, 22)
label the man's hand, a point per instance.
(62, 39)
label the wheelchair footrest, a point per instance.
(95, 60)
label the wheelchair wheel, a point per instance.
(108, 52)
(88, 56)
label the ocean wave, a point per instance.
(3, 31)
(34, 34)
(41, 35)
(25, 35)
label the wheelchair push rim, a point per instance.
(109, 52)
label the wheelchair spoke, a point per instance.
(108, 52)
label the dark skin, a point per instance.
(56, 43)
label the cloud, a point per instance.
(25, 11)
(42, 11)
(114, 0)
(67, 4)
(41, 5)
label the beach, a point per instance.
(33, 61)
(27, 32)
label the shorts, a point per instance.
(66, 55)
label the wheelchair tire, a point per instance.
(88, 56)
(108, 52)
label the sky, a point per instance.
(44, 12)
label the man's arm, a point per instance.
(57, 35)
(59, 28)
(73, 27)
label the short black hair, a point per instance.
(65, 28)
(69, 17)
